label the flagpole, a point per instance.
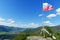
(42, 19)
(46, 7)
(42, 22)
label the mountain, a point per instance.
(25, 32)
(10, 29)
(36, 32)
(57, 28)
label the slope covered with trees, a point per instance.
(36, 32)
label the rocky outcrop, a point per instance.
(38, 38)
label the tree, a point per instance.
(21, 36)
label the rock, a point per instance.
(38, 38)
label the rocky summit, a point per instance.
(38, 38)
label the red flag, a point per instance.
(50, 7)
(47, 7)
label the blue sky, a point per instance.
(26, 12)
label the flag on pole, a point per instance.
(47, 7)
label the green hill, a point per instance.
(36, 32)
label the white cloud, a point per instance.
(29, 25)
(54, 15)
(2, 19)
(48, 23)
(5, 22)
(40, 14)
(51, 15)
(58, 11)
(33, 25)
(10, 22)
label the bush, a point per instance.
(21, 36)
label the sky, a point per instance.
(28, 13)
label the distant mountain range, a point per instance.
(28, 31)
(15, 29)
(10, 29)
(38, 30)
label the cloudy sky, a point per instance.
(28, 13)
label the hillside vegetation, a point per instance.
(36, 32)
